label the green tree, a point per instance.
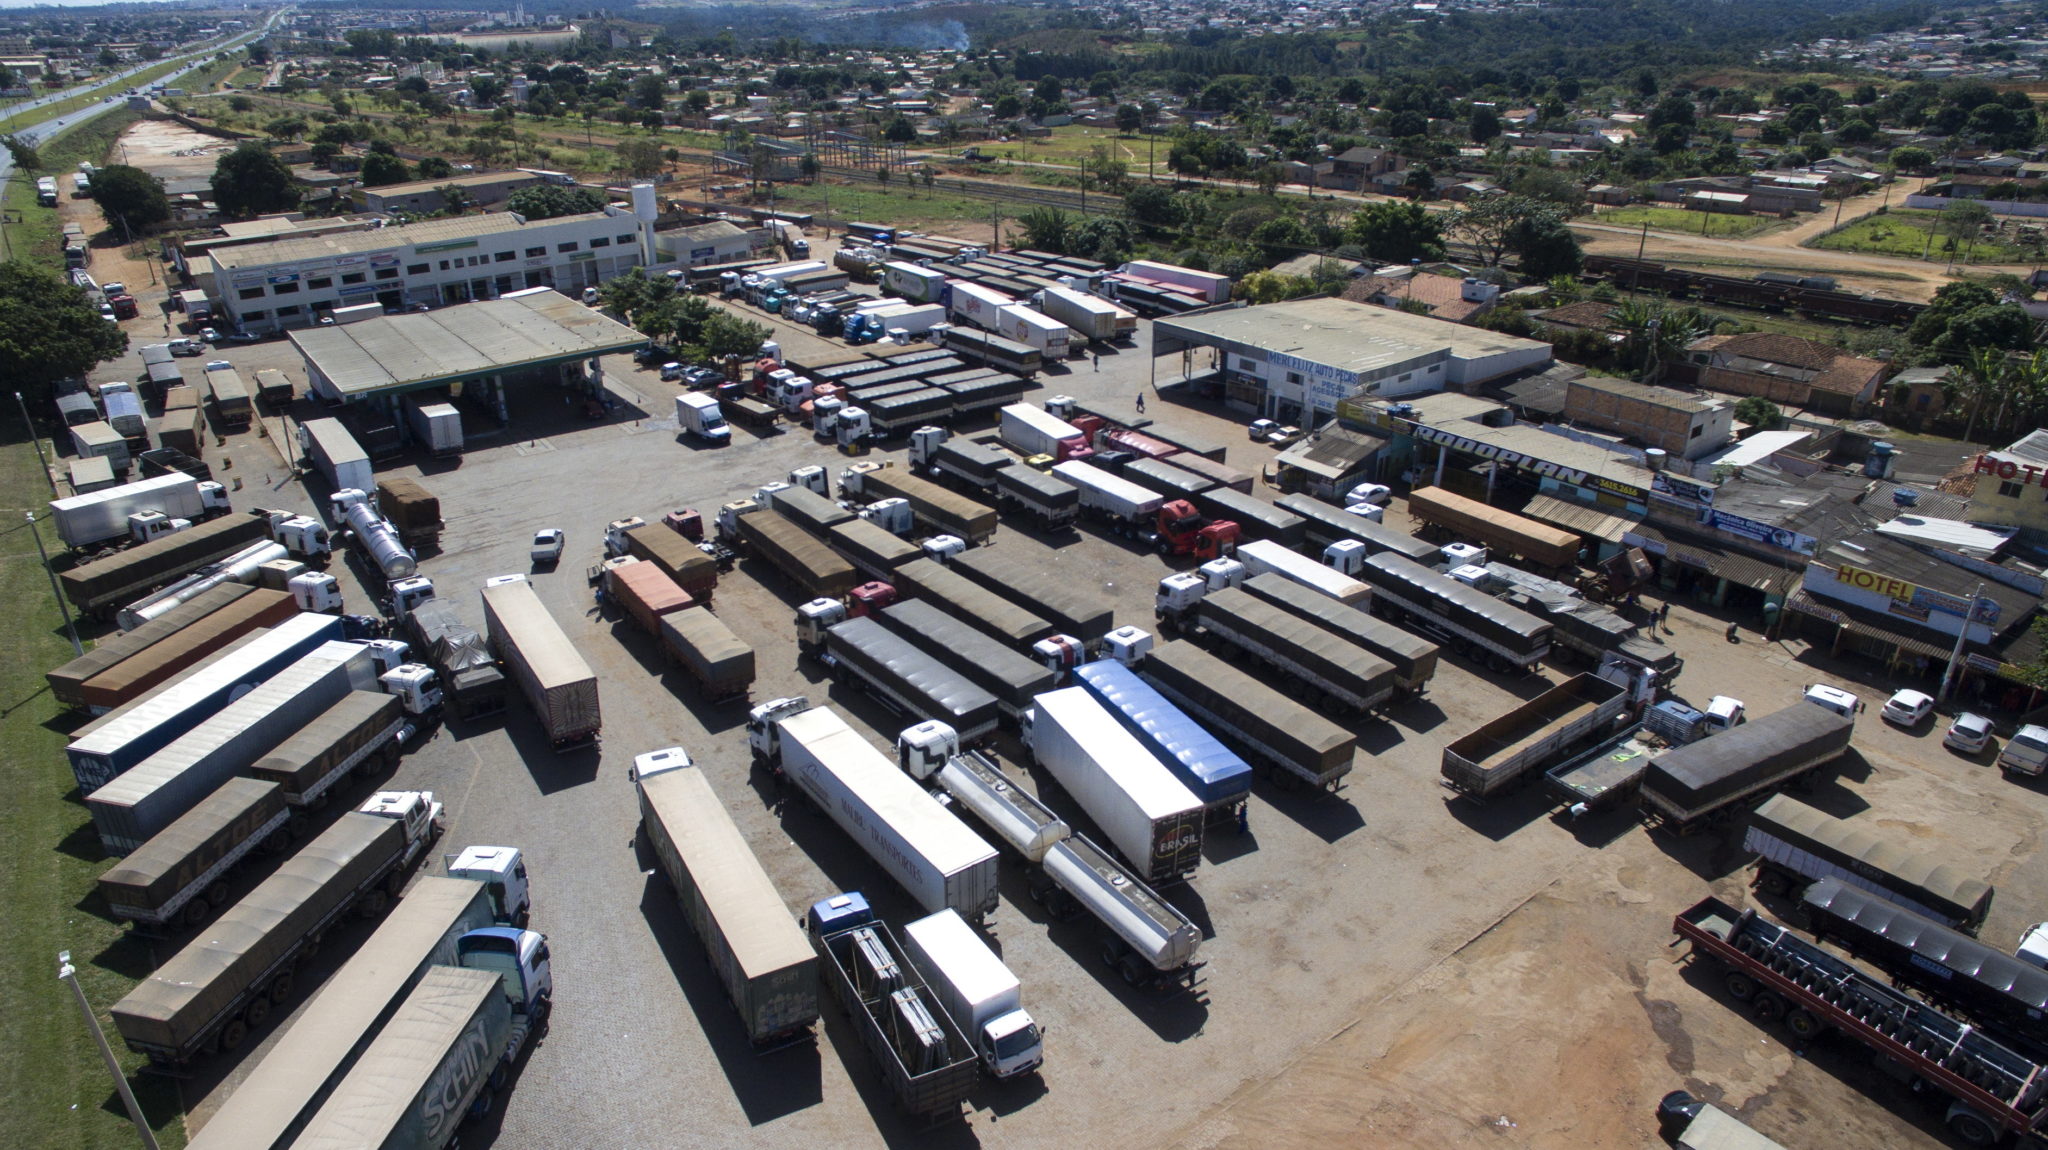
(900, 131)
(639, 157)
(455, 199)
(131, 194)
(1547, 247)
(1047, 229)
(250, 181)
(1397, 233)
(381, 168)
(727, 336)
(240, 104)
(1129, 119)
(1272, 287)
(546, 201)
(1152, 205)
(1759, 413)
(1491, 225)
(633, 294)
(286, 128)
(23, 152)
(1485, 124)
(49, 330)
(1912, 159)
(434, 168)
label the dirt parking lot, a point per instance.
(1384, 967)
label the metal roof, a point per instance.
(1596, 522)
(400, 352)
(1338, 333)
(302, 247)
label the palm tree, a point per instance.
(1980, 377)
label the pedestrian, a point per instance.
(1097, 357)
(1141, 403)
(1244, 818)
(1734, 632)
(1664, 615)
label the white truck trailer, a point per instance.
(1154, 820)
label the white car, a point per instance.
(1377, 493)
(1724, 711)
(1970, 733)
(1907, 708)
(208, 335)
(547, 547)
(672, 370)
(114, 289)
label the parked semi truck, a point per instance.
(1073, 608)
(1122, 507)
(721, 662)
(101, 588)
(107, 514)
(1473, 623)
(1326, 525)
(469, 676)
(1092, 317)
(221, 986)
(921, 845)
(408, 506)
(341, 460)
(1688, 785)
(941, 511)
(1412, 657)
(644, 593)
(806, 560)
(806, 508)
(1212, 772)
(1153, 820)
(983, 997)
(760, 956)
(1033, 431)
(959, 462)
(1266, 557)
(125, 736)
(1266, 726)
(1049, 503)
(957, 595)
(1505, 750)
(874, 552)
(1469, 520)
(1989, 1089)
(907, 679)
(120, 667)
(272, 1104)
(558, 684)
(1796, 845)
(176, 878)
(362, 732)
(1143, 937)
(1012, 677)
(917, 1047)
(1318, 667)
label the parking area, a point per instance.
(1385, 967)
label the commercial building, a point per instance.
(1683, 424)
(2012, 487)
(1298, 360)
(292, 282)
(1883, 598)
(698, 245)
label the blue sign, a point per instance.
(1779, 537)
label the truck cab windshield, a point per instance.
(1017, 1042)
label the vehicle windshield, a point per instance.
(2031, 737)
(1011, 1045)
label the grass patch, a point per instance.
(1906, 232)
(1680, 220)
(58, 1090)
(35, 233)
(875, 201)
(1073, 143)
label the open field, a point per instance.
(1913, 233)
(34, 232)
(1679, 220)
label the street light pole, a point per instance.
(69, 974)
(70, 626)
(1955, 655)
(38, 441)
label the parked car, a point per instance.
(243, 337)
(702, 377)
(208, 335)
(547, 547)
(1375, 493)
(1906, 708)
(1833, 698)
(671, 370)
(184, 346)
(1970, 733)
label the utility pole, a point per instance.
(1955, 655)
(38, 441)
(69, 974)
(56, 593)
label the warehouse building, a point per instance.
(1296, 361)
(295, 281)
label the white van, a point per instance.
(1834, 699)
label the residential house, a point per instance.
(1685, 424)
(1446, 297)
(1925, 390)
(1784, 369)
(1353, 167)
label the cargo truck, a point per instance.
(275, 388)
(808, 509)
(1120, 506)
(1091, 317)
(1265, 557)
(907, 679)
(1151, 819)
(917, 1047)
(983, 997)
(699, 415)
(804, 559)
(104, 515)
(412, 509)
(1988, 1089)
(1325, 525)
(337, 454)
(123, 665)
(645, 593)
(125, 736)
(229, 397)
(1067, 602)
(1158, 475)
(221, 986)
(1474, 624)
(124, 412)
(1606, 774)
(1211, 771)
(98, 440)
(1316, 666)
(470, 680)
(1035, 329)
(920, 844)
(1469, 520)
(938, 509)
(1267, 727)
(1256, 518)
(1013, 678)
(435, 426)
(1144, 938)
(721, 662)
(557, 682)
(1797, 845)
(1688, 785)
(754, 946)
(1412, 658)
(678, 558)
(1050, 503)
(959, 462)
(874, 552)
(272, 1104)
(444, 1054)
(363, 731)
(1206, 286)
(1505, 750)
(101, 588)
(177, 878)
(961, 597)
(1033, 431)
(142, 801)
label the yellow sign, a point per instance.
(1877, 584)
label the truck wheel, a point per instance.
(1110, 955)
(196, 913)
(1741, 987)
(257, 1011)
(1774, 882)
(1129, 969)
(1972, 1128)
(218, 894)
(485, 1099)
(281, 986)
(373, 903)
(1767, 1007)
(233, 1034)
(1803, 1023)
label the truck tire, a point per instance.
(1804, 1023)
(281, 986)
(233, 1034)
(218, 894)
(1741, 987)
(373, 903)
(257, 1012)
(1772, 881)
(1767, 1006)
(196, 913)
(1971, 1128)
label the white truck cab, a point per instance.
(699, 415)
(1222, 573)
(764, 726)
(315, 591)
(813, 478)
(1060, 653)
(729, 517)
(1127, 645)
(502, 870)
(416, 686)
(891, 515)
(941, 548)
(302, 535)
(1178, 594)
(615, 534)
(144, 526)
(408, 593)
(851, 427)
(815, 618)
(657, 762)
(420, 811)
(1347, 556)
(983, 996)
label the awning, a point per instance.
(1592, 522)
(1735, 567)
(1867, 623)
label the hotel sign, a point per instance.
(2009, 469)
(1920, 599)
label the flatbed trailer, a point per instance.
(1992, 1090)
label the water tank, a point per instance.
(1879, 464)
(644, 208)
(380, 541)
(1904, 497)
(1656, 458)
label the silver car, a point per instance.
(1970, 733)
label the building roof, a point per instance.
(1756, 448)
(284, 251)
(1946, 534)
(1689, 402)
(1591, 314)
(1820, 366)
(1306, 265)
(401, 352)
(2029, 448)
(714, 230)
(1444, 295)
(1593, 522)
(1339, 333)
(1903, 561)
(1332, 452)
(466, 180)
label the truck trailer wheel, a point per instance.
(1773, 882)
(1741, 987)
(233, 1034)
(373, 903)
(257, 1012)
(1803, 1023)
(1767, 1007)
(1971, 1128)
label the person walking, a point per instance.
(1097, 357)
(1141, 403)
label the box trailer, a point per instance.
(558, 684)
(1317, 666)
(972, 303)
(806, 560)
(1797, 845)
(1093, 318)
(164, 882)
(1265, 557)
(1214, 773)
(435, 426)
(1012, 677)
(130, 733)
(1121, 506)
(922, 845)
(232, 404)
(99, 439)
(1068, 602)
(1687, 785)
(1498, 530)
(756, 949)
(939, 509)
(1033, 328)
(908, 680)
(960, 596)
(338, 456)
(1154, 821)
(1032, 430)
(99, 516)
(1049, 503)
(1412, 657)
(1207, 286)
(1268, 728)
(721, 662)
